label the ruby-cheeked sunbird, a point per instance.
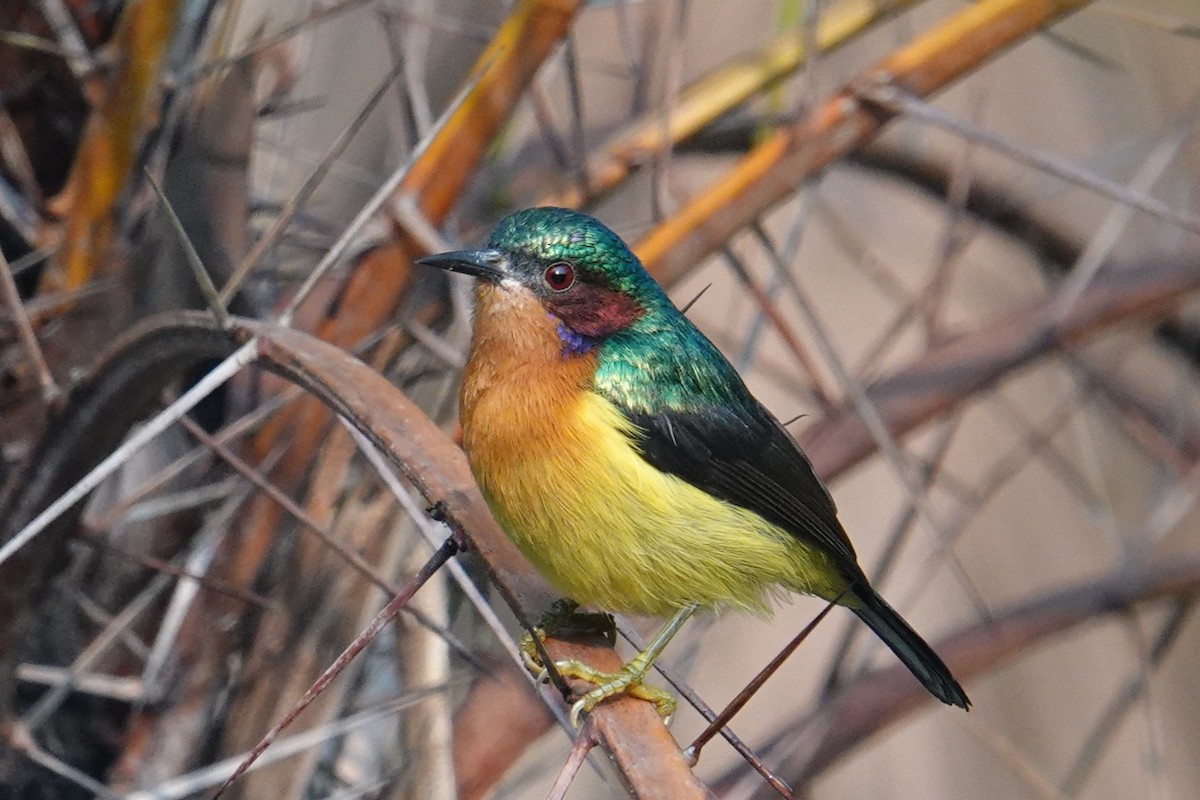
(627, 460)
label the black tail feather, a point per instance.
(909, 647)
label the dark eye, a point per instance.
(559, 276)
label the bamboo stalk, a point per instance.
(106, 154)
(772, 170)
(717, 93)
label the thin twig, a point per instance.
(660, 174)
(170, 503)
(284, 747)
(93, 613)
(320, 13)
(750, 689)
(697, 702)
(443, 554)
(347, 554)
(48, 703)
(441, 349)
(1108, 724)
(203, 552)
(298, 200)
(158, 565)
(1175, 25)
(1102, 242)
(204, 387)
(113, 687)
(19, 739)
(1008, 753)
(432, 532)
(74, 49)
(897, 100)
(584, 742)
(791, 340)
(203, 279)
(869, 414)
(37, 44)
(954, 238)
(791, 250)
(248, 423)
(377, 202)
(578, 129)
(12, 299)
(16, 159)
(289, 505)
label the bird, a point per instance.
(627, 460)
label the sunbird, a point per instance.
(624, 456)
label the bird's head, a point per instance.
(583, 274)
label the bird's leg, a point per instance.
(628, 679)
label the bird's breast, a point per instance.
(559, 467)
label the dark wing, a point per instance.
(745, 457)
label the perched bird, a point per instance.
(627, 460)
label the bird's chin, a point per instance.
(505, 296)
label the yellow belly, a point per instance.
(609, 530)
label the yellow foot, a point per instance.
(627, 680)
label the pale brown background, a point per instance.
(1035, 534)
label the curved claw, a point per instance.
(617, 683)
(529, 653)
(577, 710)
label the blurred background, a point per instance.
(967, 275)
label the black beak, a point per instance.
(490, 265)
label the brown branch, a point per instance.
(644, 751)
(882, 697)
(717, 93)
(957, 370)
(106, 403)
(381, 279)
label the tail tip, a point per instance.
(953, 695)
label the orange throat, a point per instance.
(518, 387)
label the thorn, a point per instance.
(692, 302)
(203, 279)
